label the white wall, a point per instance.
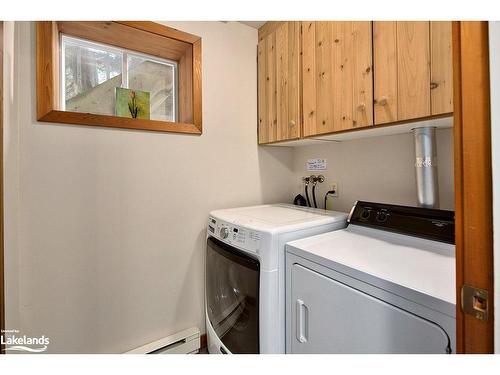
(377, 169)
(494, 41)
(105, 228)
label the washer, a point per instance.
(385, 284)
(245, 273)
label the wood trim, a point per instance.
(181, 47)
(162, 30)
(197, 95)
(123, 36)
(47, 77)
(185, 84)
(473, 180)
(360, 129)
(457, 145)
(386, 124)
(76, 118)
(2, 265)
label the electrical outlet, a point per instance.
(335, 187)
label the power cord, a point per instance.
(331, 192)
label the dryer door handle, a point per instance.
(302, 321)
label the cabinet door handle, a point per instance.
(361, 107)
(381, 101)
(302, 323)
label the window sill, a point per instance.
(77, 118)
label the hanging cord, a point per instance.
(307, 196)
(306, 181)
(314, 195)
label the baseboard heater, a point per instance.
(185, 342)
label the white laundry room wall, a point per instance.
(378, 169)
(105, 228)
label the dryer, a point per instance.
(385, 284)
(245, 273)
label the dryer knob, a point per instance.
(365, 214)
(224, 232)
(382, 216)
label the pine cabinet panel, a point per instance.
(325, 71)
(413, 70)
(337, 76)
(271, 91)
(309, 77)
(279, 83)
(294, 80)
(385, 61)
(441, 68)
(262, 83)
(362, 73)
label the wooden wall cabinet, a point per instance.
(337, 76)
(412, 70)
(279, 95)
(323, 77)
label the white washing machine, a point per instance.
(385, 284)
(245, 273)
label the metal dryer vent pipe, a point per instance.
(426, 167)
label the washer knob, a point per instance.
(224, 233)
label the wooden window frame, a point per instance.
(145, 37)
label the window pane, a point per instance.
(158, 79)
(91, 73)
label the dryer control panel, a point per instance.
(432, 224)
(244, 238)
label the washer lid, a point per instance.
(418, 264)
(278, 217)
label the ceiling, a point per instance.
(254, 24)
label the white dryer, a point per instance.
(385, 284)
(245, 273)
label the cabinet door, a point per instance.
(413, 70)
(331, 317)
(360, 35)
(271, 92)
(262, 90)
(288, 80)
(279, 83)
(337, 76)
(385, 65)
(441, 68)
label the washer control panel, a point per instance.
(236, 235)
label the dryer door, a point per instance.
(331, 317)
